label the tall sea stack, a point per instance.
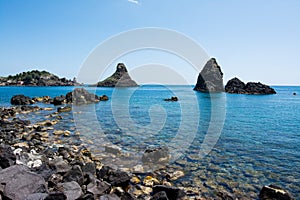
(210, 78)
(120, 78)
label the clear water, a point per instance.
(258, 144)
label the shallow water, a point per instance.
(258, 142)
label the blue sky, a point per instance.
(254, 40)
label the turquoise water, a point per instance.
(258, 143)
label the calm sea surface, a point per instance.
(236, 143)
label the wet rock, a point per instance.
(172, 99)
(71, 189)
(156, 155)
(160, 196)
(59, 100)
(20, 182)
(114, 177)
(21, 100)
(54, 179)
(7, 156)
(225, 196)
(64, 109)
(175, 175)
(172, 192)
(113, 150)
(210, 78)
(120, 78)
(103, 98)
(81, 96)
(275, 193)
(75, 174)
(150, 181)
(236, 86)
(294, 93)
(86, 197)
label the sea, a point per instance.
(222, 142)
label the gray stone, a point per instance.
(20, 182)
(71, 189)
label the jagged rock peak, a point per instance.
(210, 78)
(120, 78)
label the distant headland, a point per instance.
(36, 78)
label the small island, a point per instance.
(120, 78)
(36, 78)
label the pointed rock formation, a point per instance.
(210, 78)
(237, 86)
(120, 78)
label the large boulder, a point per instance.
(210, 78)
(236, 86)
(275, 193)
(21, 99)
(19, 182)
(81, 96)
(120, 78)
(171, 192)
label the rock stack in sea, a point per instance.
(210, 78)
(120, 78)
(236, 86)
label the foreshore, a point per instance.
(39, 161)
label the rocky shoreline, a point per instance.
(39, 161)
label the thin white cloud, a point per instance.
(134, 1)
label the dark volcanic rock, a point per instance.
(160, 196)
(172, 99)
(20, 182)
(20, 99)
(81, 96)
(114, 177)
(210, 78)
(274, 193)
(7, 156)
(172, 192)
(120, 78)
(237, 86)
(59, 100)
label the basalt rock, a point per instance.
(7, 156)
(236, 86)
(81, 96)
(120, 78)
(21, 99)
(20, 182)
(275, 193)
(210, 78)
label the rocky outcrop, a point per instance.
(172, 99)
(210, 78)
(120, 78)
(275, 193)
(236, 86)
(20, 99)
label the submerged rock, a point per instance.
(236, 86)
(156, 155)
(120, 78)
(210, 78)
(21, 99)
(275, 193)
